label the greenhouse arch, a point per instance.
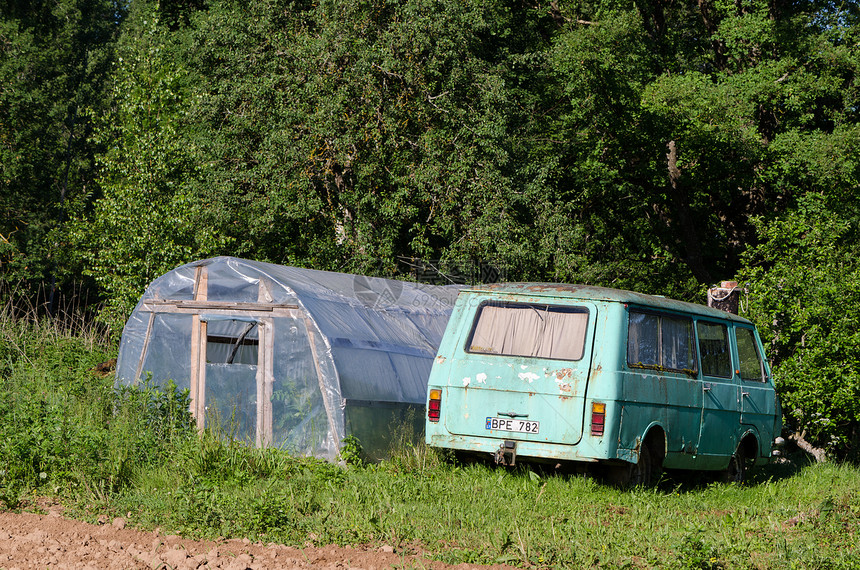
(288, 357)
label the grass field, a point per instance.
(806, 519)
(66, 433)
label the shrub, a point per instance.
(65, 427)
(804, 283)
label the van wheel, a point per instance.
(645, 473)
(736, 470)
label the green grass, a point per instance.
(65, 433)
(478, 514)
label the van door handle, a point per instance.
(512, 414)
(745, 394)
(706, 387)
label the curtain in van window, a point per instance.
(643, 334)
(497, 327)
(677, 338)
(530, 330)
(564, 335)
(655, 341)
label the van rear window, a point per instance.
(538, 331)
(660, 341)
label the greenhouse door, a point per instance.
(232, 376)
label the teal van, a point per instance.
(634, 383)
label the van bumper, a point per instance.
(529, 450)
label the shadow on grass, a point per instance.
(782, 468)
(675, 480)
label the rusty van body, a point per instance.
(634, 383)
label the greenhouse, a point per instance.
(288, 357)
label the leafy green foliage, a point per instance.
(805, 293)
(143, 225)
(367, 131)
(64, 427)
(351, 451)
(54, 60)
(694, 554)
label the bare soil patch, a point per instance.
(30, 540)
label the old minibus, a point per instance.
(630, 382)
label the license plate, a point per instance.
(517, 426)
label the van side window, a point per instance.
(520, 329)
(660, 341)
(714, 350)
(751, 366)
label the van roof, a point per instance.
(591, 293)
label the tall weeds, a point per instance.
(64, 429)
(61, 315)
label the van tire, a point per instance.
(645, 473)
(736, 471)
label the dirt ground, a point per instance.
(52, 541)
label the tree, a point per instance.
(804, 281)
(803, 271)
(600, 208)
(351, 134)
(669, 124)
(53, 61)
(144, 223)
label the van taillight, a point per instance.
(598, 418)
(434, 406)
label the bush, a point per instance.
(804, 294)
(62, 425)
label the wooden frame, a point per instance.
(263, 312)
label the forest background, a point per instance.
(653, 145)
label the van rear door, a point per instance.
(521, 371)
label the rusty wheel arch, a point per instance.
(656, 439)
(648, 469)
(742, 459)
(750, 445)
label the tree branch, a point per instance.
(817, 453)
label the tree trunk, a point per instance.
(816, 452)
(686, 224)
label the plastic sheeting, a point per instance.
(289, 357)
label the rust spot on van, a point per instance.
(560, 376)
(564, 373)
(440, 359)
(556, 287)
(663, 385)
